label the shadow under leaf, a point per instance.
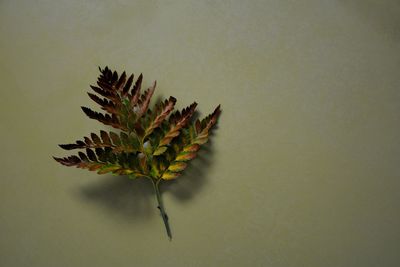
(121, 196)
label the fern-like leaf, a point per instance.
(150, 144)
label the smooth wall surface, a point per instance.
(303, 169)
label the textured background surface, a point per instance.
(303, 169)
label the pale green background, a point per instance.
(303, 169)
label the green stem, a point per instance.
(161, 208)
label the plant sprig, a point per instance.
(154, 144)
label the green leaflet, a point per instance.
(151, 142)
(160, 150)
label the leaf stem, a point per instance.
(161, 207)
